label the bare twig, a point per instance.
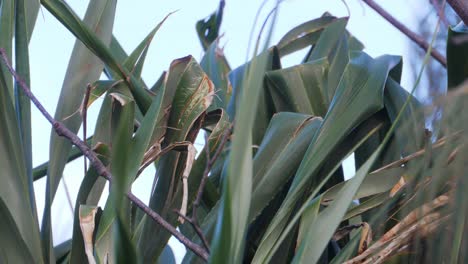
(194, 223)
(461, 8)
(63, 131)
(405, 30)
(439, 143)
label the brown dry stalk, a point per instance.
(366, 238)
(424, 227)
(414, 221)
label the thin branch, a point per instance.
(405, 30)
(461, 8)
(193, 220)
(197, 249)
(63, 131)
(439, 143)
(210, 163)
(194, 223)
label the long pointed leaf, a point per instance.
(93, 42)
(83, 68)
(22, 102)
(235, 201)
(322, 229)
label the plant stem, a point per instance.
(461, 8)
(405, 30)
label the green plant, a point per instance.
(269, 185)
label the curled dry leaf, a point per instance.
(86, 215)
(366, 238)
(398, 186)
(208, 99)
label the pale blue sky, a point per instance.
(51, 46)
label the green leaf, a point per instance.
(13, 246)
(159, 83)
(22, 101)
(83, 68)
(31, 12)
(135, 61)
(122, 120)
(279, 156)
(366, 205)
(457, 52)
(263, 105)
(14, 191)
(7, 25)
(208, 28)
(237, 185)
(303, 35)
(309, 88)
(288, 135)
(333, 45)
(410, 131)
(373, 183)
(98, 88)
(322, 229)
(308, 218)
(123, 114)
(123, 246)
(99, 48)
(334, 163)
(300, 88)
